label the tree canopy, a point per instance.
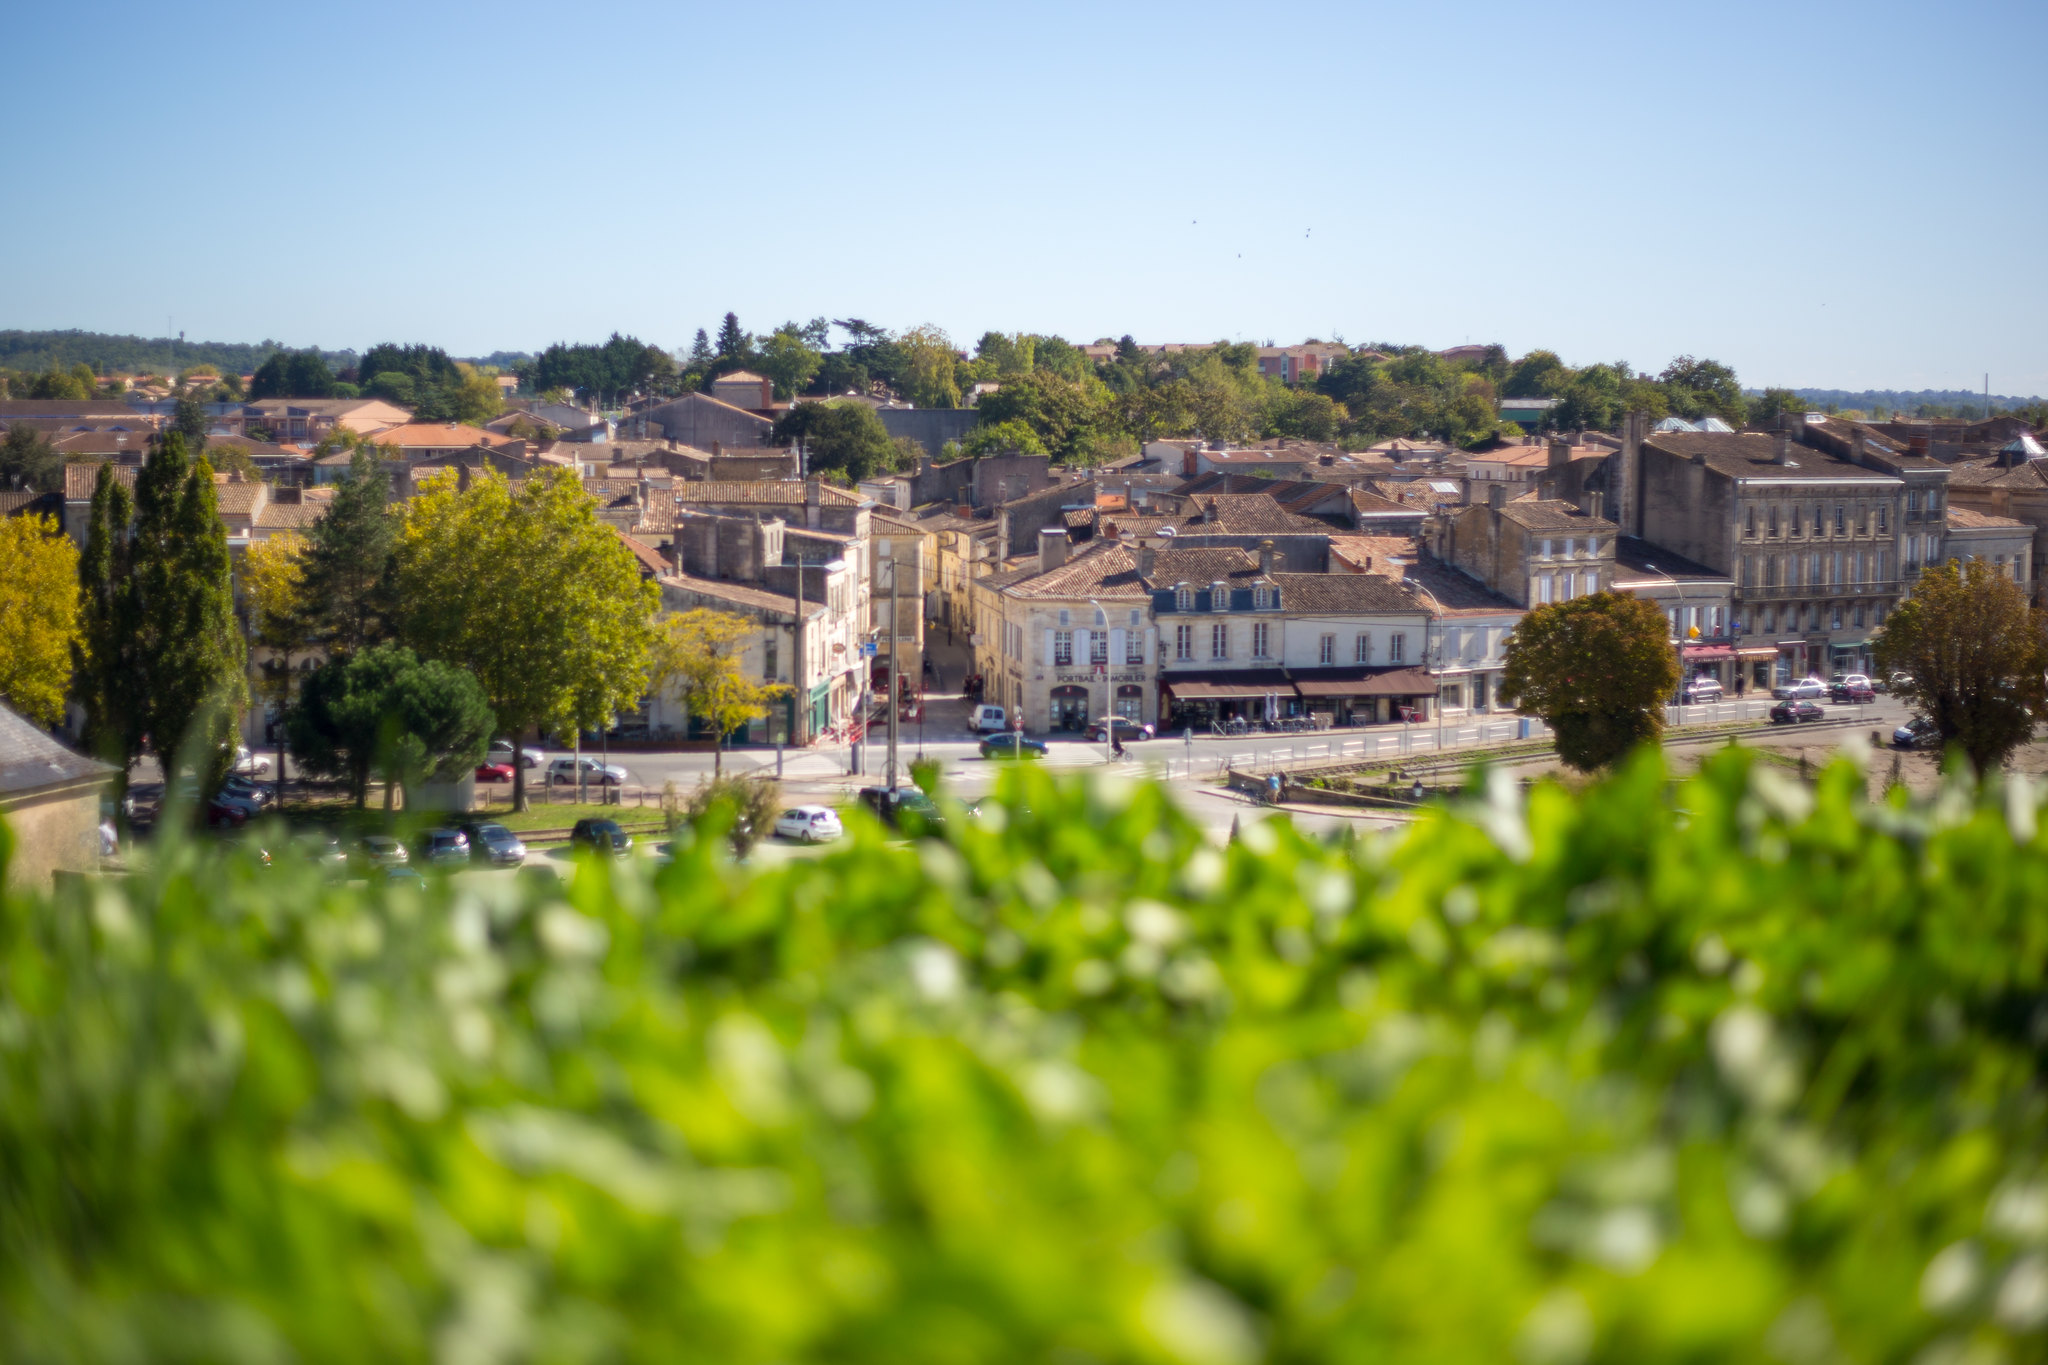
(1597, 669)
(605, 374)
(348, 557)
(29, 460)
(387, 713)
(843, 438)
(293, 374)
(530, 592)
(1974, 654)
(39, 625)
(697, 654)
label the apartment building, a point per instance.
(1531, 551)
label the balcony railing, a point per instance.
(1782, 593)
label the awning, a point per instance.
(1705, 653)
(1375, 682)
(1229, 686)
(1751, 652)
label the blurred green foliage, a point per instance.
(1727, 1070)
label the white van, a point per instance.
(988, 720)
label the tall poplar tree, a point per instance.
(348, 558)
(177, 612)
(113, 725)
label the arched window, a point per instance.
(1183, 597)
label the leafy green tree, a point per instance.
(603, 374)
(929, 381)
(280, 618)
(1305, 414)
(28, 459)
(56, 383)
(388, 714)
(1974, 654)
(789, 360)
(1009, 355)
(1772, 404)
(846, 439)
(1597, 669)
(1539, 374)
(177, 613)
(1592, 401)
(293, 374)
(348, 559)
(39, 626)
(1067, 415)
(530, 592)
(697, 653)
(393, 387)
(1704, 388)
(1002, 438)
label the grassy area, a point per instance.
(563, 816)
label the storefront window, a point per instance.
(1063, 647)
(1130, 702)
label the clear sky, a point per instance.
(1818, 194)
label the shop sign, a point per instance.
(1092, 676)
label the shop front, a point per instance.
(1130, 702)
(1707, 661)
(1069, 707)
(1226, 699)
(1753, 668)
(1365, 696)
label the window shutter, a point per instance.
(1116, 648)
(1081, 654)
(1048, 648)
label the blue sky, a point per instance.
(1818, 194)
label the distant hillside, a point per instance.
(106, 353)
(1941, 402)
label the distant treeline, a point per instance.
(37, 352)
(1913, 403)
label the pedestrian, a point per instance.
(1740, 683)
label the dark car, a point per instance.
(1792, 712)
(601, 836)
(1012, 746)
(1123, 727)
(490, 842)
(905, 808)
(1850, 694)
(1917, 733)
(440, 847)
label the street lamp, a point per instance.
(1438, 700)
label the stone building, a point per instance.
(1531, 551)
(50, 801)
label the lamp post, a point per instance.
(1437, 702)
(1677, 634)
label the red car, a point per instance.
(494, 772)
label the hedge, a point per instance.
(1729, 1069)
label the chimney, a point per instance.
(814, 499)
(1147, 557)
(1265, 557)
(1627, 467)
(1781, 448)
(1595, 501)
(1497, 496)
(1052, 549)
(1560, 452)
(717, 448)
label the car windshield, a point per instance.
(493, 834)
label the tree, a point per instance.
(1703, 388)
(176, 612)
(280, 617)
(931, 357)
(189, 419)
(38, 616)
(386, 713)
(839, 438)
(698, 653)
(293, 374)
(1974, 654)
(113, 725)
(735, 347)
(349, 558)
(1002, 438)
(1772, 404)
(701, 354)
(530, 592)
(476, 399)
(29, 460)
(789, 360)
(1597, 669)
(1539, 374)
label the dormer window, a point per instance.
(1183, 597)
(1219, 596)
(1265, 597)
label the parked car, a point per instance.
(1793, 712)
(398, 874)
(186, 790)
(1917, 733)
(251, 765)
(226, 814)
(247, 789)
(601, 836)
(501, 751)
(809, 825)
(321, 850)
(1700, 690)
(1851, 690)
(1806, 689)
(988, 720)
(904, 808)
(1124, 728)
(375, 851)
(1012, 746)
(563, 771)
(444, 847)
(494, 772)
(490, 842)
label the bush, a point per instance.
(1730, 1070)
(742, 808)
